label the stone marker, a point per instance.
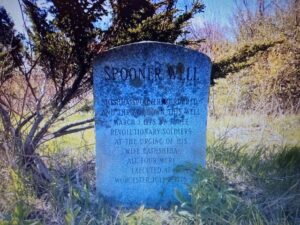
(150, 113)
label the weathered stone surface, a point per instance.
(150, 110)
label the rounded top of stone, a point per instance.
(153, 44)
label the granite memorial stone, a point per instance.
(150, 102)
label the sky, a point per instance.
(13, 9)
(218, 10)
(215, 11)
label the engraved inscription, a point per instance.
(151, 73)
(150, 117)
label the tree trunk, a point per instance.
(32, 164)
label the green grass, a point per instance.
(245, 186)
(255, 129)
(72, 145)
(246, 181)
(239, 186)
(251, 130)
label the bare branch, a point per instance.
(32, 131)
(27, 78)
(63, 129)
(38, 120)
(6, 119)
(25, 121)
(62, 133)
(23, 104)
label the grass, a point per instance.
(250, 129)
(247, 181)
(73, 144)
(256, 129)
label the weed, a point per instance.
(243, 183)
(21, 200)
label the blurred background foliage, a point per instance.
(267, 82)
